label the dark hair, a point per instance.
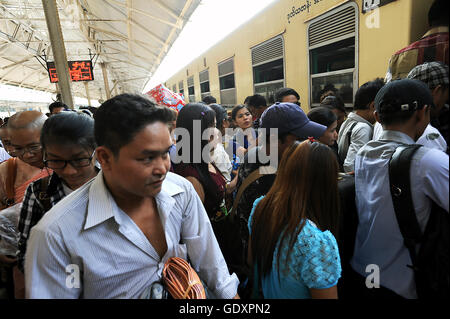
(221, 115)
(258, 101)
(186, 117)
(56, 105)
(119, 119)
(305, 188)
(322, 115)
(334, 102)
(285, 92)
(209, 99)
(366, 93)
(247, 99)
(69, 128)
(236, 109)
(438, 13)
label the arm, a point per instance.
(361, 134)
(198, 187)
(49, 271)
(329, 293)
(434, 170)
(203, 249)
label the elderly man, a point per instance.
(24, 131)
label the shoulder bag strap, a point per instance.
(43, 196)
(261, 171)
(400, 186)
(348, 137)
(11, 180)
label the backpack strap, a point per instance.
(10, 181)
(400, 185)
(348, 137)
(44, 199)
(257, 173)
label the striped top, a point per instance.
(87, 247)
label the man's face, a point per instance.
(27, 146)
(440, 97)
(289, 99)
(57, 110)
(6, 140)
(141, 166)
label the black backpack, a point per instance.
(431, 263)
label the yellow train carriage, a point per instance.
(308, 45)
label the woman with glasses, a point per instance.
(68, 147)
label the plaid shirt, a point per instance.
(33, 210)
(432, 47)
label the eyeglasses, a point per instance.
(76, 163)
(33, 149)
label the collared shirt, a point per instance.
(33, 210)
(88, 234)
(433, 46)
(430, 138)
(361, 134)
(4, 156)
(378, 238)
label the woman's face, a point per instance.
(244, 118)
(330, 136)
(73, 176)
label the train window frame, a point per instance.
(191, 88)
(231, 91)
(204, 83)
(279, 82)
(354, 71)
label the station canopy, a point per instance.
(130, 37)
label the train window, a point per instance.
(174, 89)
(226, 82)
(268, 67)
(204, 83)
(333, 59)
(191, 90)
(181, 87)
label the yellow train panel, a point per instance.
(307, 29)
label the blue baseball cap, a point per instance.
(290, 118)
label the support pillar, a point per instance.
(86, 86)
(59, 50)
(105, 79)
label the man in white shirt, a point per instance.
(112, 237)
(403, 108)
(357, 129)
(435, 76)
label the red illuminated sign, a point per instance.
(79, 71)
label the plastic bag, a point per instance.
(9, 235)
(163, 96)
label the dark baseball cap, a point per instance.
(290, 118)
(403, 95)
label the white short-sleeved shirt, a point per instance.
(378, 238)
(430, 138)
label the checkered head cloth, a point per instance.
(431, 73)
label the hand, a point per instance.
(237, 297)
(5, 260)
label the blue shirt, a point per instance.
(314, 263)
(115, 259)
(378, 237)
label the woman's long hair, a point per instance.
(186, 117)
(305, 188)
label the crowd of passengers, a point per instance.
(111, 192)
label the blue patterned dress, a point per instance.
(314, 263)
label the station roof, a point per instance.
(131, 37)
